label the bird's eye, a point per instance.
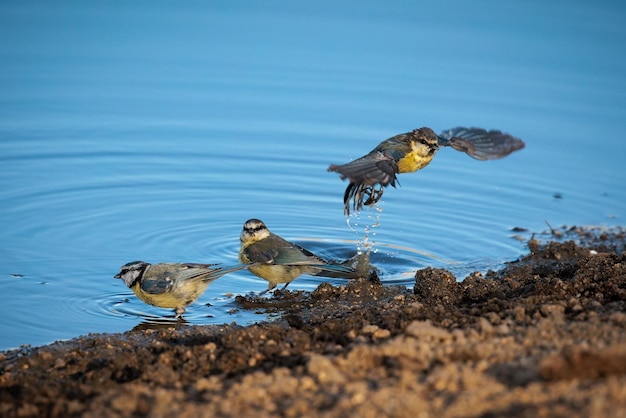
(254, 229)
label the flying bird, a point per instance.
(412, 151)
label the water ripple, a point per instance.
(164, 157)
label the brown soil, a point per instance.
(545, 336)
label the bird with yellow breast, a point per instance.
(412, 151)
(277, 260)
(171, 285)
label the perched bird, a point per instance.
(411, 151)
(279, 261)
(171, 285)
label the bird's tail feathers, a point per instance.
(334, 271)
(220, 271)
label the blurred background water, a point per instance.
(153, 130)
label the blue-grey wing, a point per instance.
(157, 285)
(294, 254)
(374, 168)
(258, 254)
(161, 278)
(297, 255)
(479, 143)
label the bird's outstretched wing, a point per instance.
(479, 143)
(373, 168)
(364, 174)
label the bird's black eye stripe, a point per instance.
(425, 142)
(127, 270)
(255, 229)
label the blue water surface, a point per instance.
(153, 130)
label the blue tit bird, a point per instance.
(412, 151)
(171, 285)
(277, 260)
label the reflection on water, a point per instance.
(120, 141)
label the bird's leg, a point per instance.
(269, 288)
(180, 311)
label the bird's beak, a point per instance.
(117, 276)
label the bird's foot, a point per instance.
(373, 195)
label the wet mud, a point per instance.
(545, 336)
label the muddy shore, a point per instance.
(543, 337)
